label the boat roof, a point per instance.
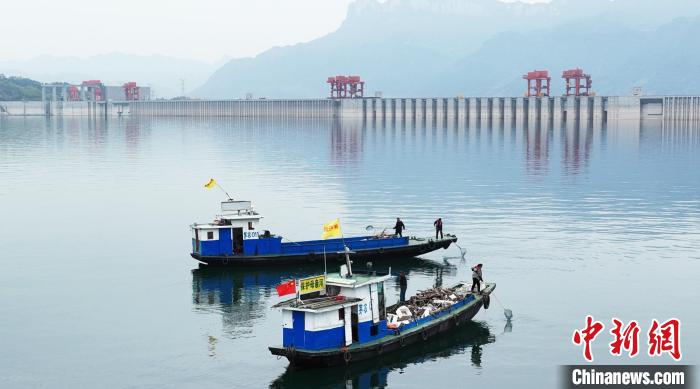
(357, 280)
(320, 304)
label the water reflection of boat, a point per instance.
(374, 373)
(241, 295)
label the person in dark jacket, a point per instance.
(477, 279)
(438, 227)
(399, 227)
(403, 284)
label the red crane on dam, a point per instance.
(131, 91)
(73, 93)
(538, 83)
(344, 87)
(578, 83)
(95, 89)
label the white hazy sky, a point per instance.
(203, 29)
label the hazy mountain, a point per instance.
(163, 74)
(662, 61)
(480, 47)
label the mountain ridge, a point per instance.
(405, 47)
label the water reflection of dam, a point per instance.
(374, 373)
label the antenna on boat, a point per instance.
(348, 262)
(325, 269)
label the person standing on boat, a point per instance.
(438, 227)
(477, 279)
(403, 284)
(399, 227)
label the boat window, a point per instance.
(341, 314)
(250, 225)
(332, 290)
(210, 234)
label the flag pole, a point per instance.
(224, 190)
(325, 269)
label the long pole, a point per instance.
(325, 269)
(224, 190)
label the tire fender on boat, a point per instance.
(380, 348)
(346, 355)
(424, 334)
(225, 261)
(487, 301)
(457, 321)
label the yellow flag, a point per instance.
(331, 229)
(210, 184)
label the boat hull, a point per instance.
(410, 250)
(307, 359)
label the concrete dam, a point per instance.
(560, 108)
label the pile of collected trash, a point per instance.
(425, 303)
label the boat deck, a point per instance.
(317, 303)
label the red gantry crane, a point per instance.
(537, 83)
(132, 91)
(578, 83)
(343, 87)
(94, 87)
(73, 93)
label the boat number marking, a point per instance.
(250, 235)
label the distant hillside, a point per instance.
(17, 89)
(481, 47)
(164, 75)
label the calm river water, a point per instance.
(97, 287)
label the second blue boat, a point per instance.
(233, 238)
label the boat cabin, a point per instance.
(351, 310)
(233, 232)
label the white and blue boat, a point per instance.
(236, 238)
(348, 320)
